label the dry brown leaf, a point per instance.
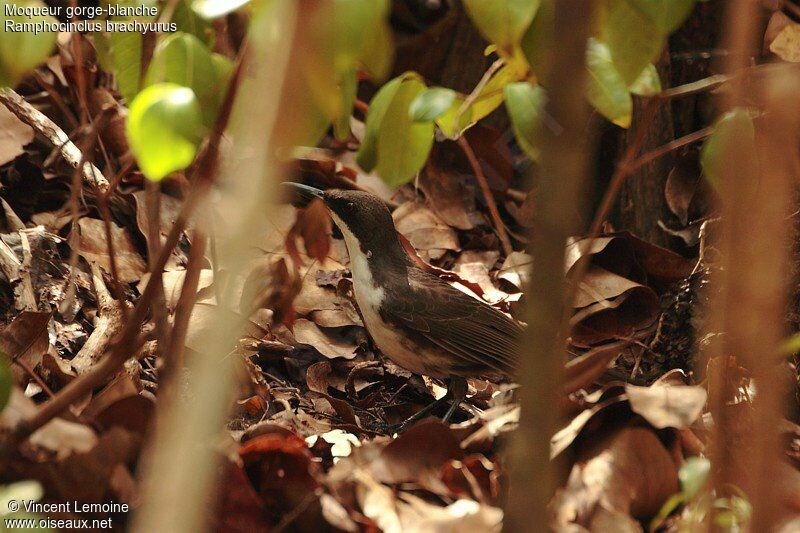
(313, 227)
(428, 233)
(173, 283)
(663, 405)
(329, 343)
(451, 199)
(317, 376)
(93, 247)
(14, 135)
(786, 44)
(599, 284)
(628, 472)
(516, 269)
(26, 340)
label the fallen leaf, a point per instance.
(664, 405)
(516, 269)
(313, 227)
(629, 473)
(786, 44)
(428, 234)
(93, 247)
(14, 135)
(26, 340)
(329, 343)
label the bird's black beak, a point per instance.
(305, 193)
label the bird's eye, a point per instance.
(351, 205)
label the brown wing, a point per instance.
(465, 327)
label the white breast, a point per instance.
(369, 298)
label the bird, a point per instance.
(417, 320)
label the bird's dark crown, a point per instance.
(367, 217)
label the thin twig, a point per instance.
(470, 99)
(487, 194)
(50, 130)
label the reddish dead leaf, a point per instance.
(280, 467)
(474, 477)
(313, 227)
(238, 508)
(404, 460)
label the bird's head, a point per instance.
(362, 217)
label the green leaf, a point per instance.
(733, 131)
(648, 83)
(188, 21)
(487, 100)
(6, 379)
(182, 59)
(21, 51)
(164, 129)
(633, 39)
(125, 53)
(338, 37)
(502, 22)
(431, 103)
(606, 89)
(403, 145)
(367, 156)
(693, 476)
(524, 103)
(212, 9)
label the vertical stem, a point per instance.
(179, 473)
(563, 171)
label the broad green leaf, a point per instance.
(524, 103)
(367, 156)
(502, 22)
(22, 50)
(164, 129)
(606, 89)
(693, 476)
(633, 39)
(733, 131)
(182, 59)
(125, 54)
(338, 37)
(648, 83)
(211, 9)
(188, 21)
(403, 145)
(6, 379)
(431, 103)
